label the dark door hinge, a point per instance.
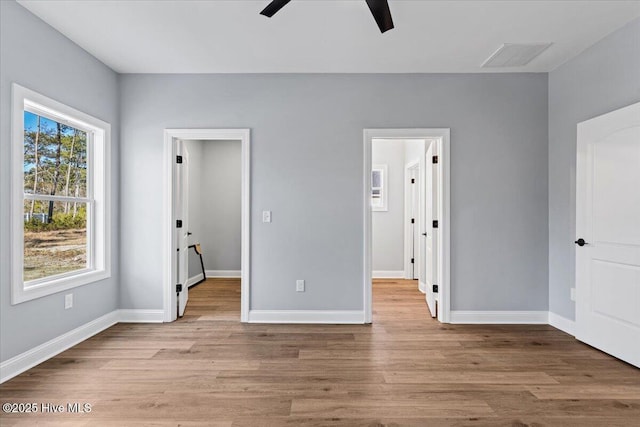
(435, 289)
(435, 223)
(179, 288)
(434, 160)
(412, 261)
(413, 180)
(179, 223)
(178, 159)
(413, 220)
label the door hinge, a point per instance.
(412, 261)
(178, 159)
(179, 223)
(179, 288)
(435, 223)
(435, 289)
(413, 180)
(413, 220)
(434, 160)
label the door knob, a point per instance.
(424, 234)
(580, 242)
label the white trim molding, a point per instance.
(30, 358)
(140, 316)
(565, 325)
(194, 279)
(307, 316)
(226, 274)
(422, 287)
(499, 317)
(388, 274)
(169, 243)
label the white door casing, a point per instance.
(608, 220)
(430, 235)
(182, 233)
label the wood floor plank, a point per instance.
(120, 353)
(468, 377)
(405, 369)
(589, 391)
(391, 407)
(198, 365)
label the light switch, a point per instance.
(266, 216)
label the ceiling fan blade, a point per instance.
(381, 13)
(274, 7)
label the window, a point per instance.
(379, 188)
(60, 197)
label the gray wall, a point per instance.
(307, 166)
(603, 78)
(214, 204)
(39, 58)
(221, 205)
(195, 201)
(387, 237)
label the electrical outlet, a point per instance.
(299, 285)
(573, 294)
(266, 216)
(68, 301)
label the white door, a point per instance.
(414, 220)
(430, 234)
(608, 233)
(182, 233)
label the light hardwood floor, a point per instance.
(405, 369)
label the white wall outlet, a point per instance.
(266, 216)
(68, 301)
(573, 294)
(299, 285)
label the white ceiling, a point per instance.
(327, 36)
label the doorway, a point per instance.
(432, 219)
(176, 231)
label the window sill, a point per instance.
(49, 287)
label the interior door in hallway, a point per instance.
(430, 233)
(608, 233)
(414, 205)
(182, 224)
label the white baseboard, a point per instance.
(307, 316)
(226, 274)
(391, 274)
(30, 358)
(141, 316)
(195, 279)
(422, 287)
(562, 323)
(500, 317)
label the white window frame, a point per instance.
(97, 198)
(383, 207)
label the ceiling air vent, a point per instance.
(514, 55)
